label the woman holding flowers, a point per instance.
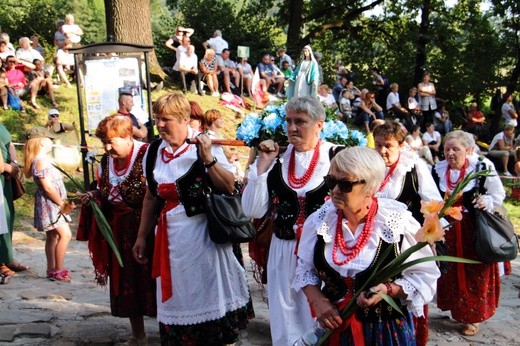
(407, 180)
(120, 194)
(340, 246)
(469, 291)
(290, 186)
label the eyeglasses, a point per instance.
(11, 61)
(345, 186)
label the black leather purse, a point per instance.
(495, 238)
(226, 220)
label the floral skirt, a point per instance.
(217, 332)
(394, 332)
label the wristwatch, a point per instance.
(212, 163)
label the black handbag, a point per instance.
(226, 220)
(495, 238)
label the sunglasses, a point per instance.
(54, 115)
(345, 186)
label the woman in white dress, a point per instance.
(202, 290)
(306, 76)
(290, 187)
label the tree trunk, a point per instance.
(515, 74)
(295, 27)
(130, 22)
(422, 40)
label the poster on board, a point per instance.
(105, 80)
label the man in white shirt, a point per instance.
(72, 31)
(230, 77)
(188, 66)
(217, 43)
(502, 148)
(25, 52)
(393, 104)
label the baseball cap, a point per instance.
(53, 111)
(39, 132)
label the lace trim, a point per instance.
(414, 301)
(184, 318)
(305, 279)
(407, 161)
(388, 223)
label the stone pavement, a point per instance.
(36, 311)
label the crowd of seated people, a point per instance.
(25, 70)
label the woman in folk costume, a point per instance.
(202, 290)
(290, 186)
(470, 291)
(120, 194)
(407, 180)
(305, 78)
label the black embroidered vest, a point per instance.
(285, 200)
(335, 288)
(410, 195)
(132, 189)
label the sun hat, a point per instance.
(54, 111)
(39, 132)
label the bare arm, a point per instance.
(220, 177)
(139, 132)
(150, 205)
(326, 313)
(169, 44)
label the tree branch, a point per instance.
(339, 24)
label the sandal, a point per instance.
(61, 275)
(470, 329)
(4, 279)
(17, 266)
(4, 270)
(50, 273)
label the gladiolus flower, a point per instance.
(454, 212)
(431, 231)
(431, 207)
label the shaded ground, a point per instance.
(36, 311)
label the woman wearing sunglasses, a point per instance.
(342, 241)
(289, 186)
(407, 180)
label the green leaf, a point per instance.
(101, 220)
(390, 302)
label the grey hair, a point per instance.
(217, 33)
(363, 164)
(308, 105)
(460, 136)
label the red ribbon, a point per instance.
(459, 252)
(356, 327)
(161, 255)
(299, 222)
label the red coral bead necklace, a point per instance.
(451, 185)
(339, 240)
(298, 183)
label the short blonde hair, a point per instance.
(173, 104)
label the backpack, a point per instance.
(13, 101)
(386, 81)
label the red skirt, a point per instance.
(470, 291)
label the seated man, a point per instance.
(441, 120)
(502, 148)
(65, 62)
(26, 52)
(286, 70)
(393, 104)
(338, 88)
(126, 103)
(271, 75)
(188, 66)
(285, 58)
(229, 76)
(43, 80)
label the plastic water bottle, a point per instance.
(311, 336)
